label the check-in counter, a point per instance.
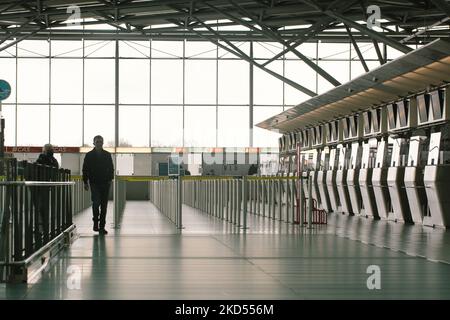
(415, 189)
(322, 180)
(396, 182)
(353, 179)
(310, 172)
(365, 184)
(313, 174)
(341, 180)
(379, 181)
(437, 183)
(331, 181)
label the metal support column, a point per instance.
(116, 139)
(286, 199)
(280, 198)
(264, 182)
(239, 201)
(244, 197)
(309, 203)
(180, 203)
(258, 198)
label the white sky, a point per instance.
(148, 85)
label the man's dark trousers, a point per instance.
(99, 196)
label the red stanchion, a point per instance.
(319, 216)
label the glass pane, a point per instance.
(8, 52)
(200, 81)
(367, 50)
(33, 82)
(393, 53)
(268, 163)
(167, 49)
(33, 48)
(67, 81)
(9, 114)
(62, 48)
(99, 120)
(167, 126)
(308, 49)
(233, 127)
(32, 125)
(334, 51)
(125, 164)
(233, 82)
(340, 70)
(268, 89)
(63, 132)
(99, 81)
(8, 73)
(137, 49)
(104, 49)
(266, 49)
(358, 69)
(244, 46)
(200, 49)
(301, 73)
(134, 81)
(167, 81)
(263, 137)
(134, 126)
(200, 126)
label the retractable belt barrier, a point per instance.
(232, 198)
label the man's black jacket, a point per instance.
(98, 167)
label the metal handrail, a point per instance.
(36, 254)
(37, 183)
(37, 208)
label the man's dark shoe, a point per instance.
(103, 231)
(95, 227)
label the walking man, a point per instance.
(98, 171)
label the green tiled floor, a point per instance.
(148, 258)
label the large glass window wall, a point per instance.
(170, 93)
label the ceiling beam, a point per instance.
(371, 33)
(320, 25)
(239, 53)
(358, 52)
(20, 39)
(443, 6)
(272, 34)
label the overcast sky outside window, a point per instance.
(166, 98)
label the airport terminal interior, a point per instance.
(261, 149)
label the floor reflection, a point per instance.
(415, 240)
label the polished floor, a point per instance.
(148, 258)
